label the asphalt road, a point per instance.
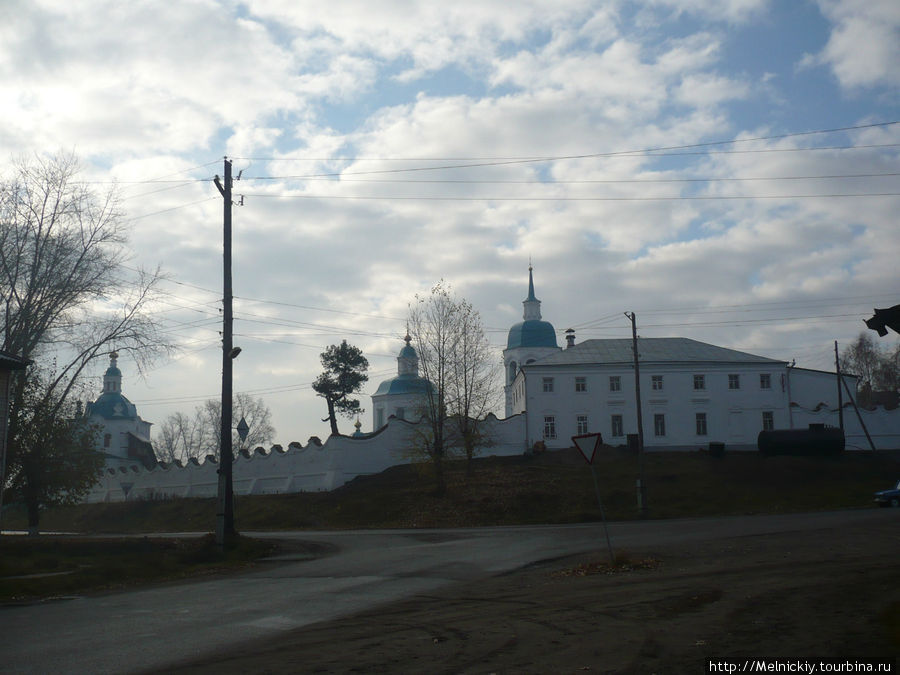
(144, 630)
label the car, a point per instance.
(889, 497)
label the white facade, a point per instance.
(692, 394)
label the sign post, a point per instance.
(587, 445)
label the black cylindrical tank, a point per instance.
(817, 440)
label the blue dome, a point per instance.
(408, 352)
(111, 405)
(404, 384)
(112, 371)
(532, 333)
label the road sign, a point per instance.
(588, 444)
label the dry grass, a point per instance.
(555, 487)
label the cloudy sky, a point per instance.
(727, 169)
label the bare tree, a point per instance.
(66, 296)
(473, 381)
(455, 357)
(179, 437)
(182, 437)
(877, 368)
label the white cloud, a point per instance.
(381, 86)
(863, 49)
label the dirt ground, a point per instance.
(804, 595)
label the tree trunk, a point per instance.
(440, 485)
(332, 418)
(33, 517)
(470, 453)
(30, 494)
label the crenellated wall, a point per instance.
(883, 425)
(311, 468)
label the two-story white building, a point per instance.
(692, 393)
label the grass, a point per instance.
(555, 487)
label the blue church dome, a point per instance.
(111, 405)
(407, 380)
(404, 384)
(532, 333)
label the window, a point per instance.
(549, 426)
(699, 382)
(379, 418)
(548, 385)
(615, 383)
(107, 439)
(768, 420)
(701, 424)
(618, 428)
(659, 425)
(581, 424)
(656, 382)
(765, 381)
(734, 381)
(400, 413)
(580, 384)
(512, 370)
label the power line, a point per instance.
(571, 199)
(458, 181)
(174, 208)
(604, 154)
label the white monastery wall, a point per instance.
(315, 467)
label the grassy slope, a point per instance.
(555, 487)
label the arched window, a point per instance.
(107, 439)
(512, 371)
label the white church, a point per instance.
(124, 437)
(401, 396)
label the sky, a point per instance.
(728, 170)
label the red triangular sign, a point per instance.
(588, 444)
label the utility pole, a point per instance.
(225, 503)
(641, 485)
(837, 367)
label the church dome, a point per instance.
(533, 333)
(404, 384)
(407, 380)
(113, 370)
(111, 405)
